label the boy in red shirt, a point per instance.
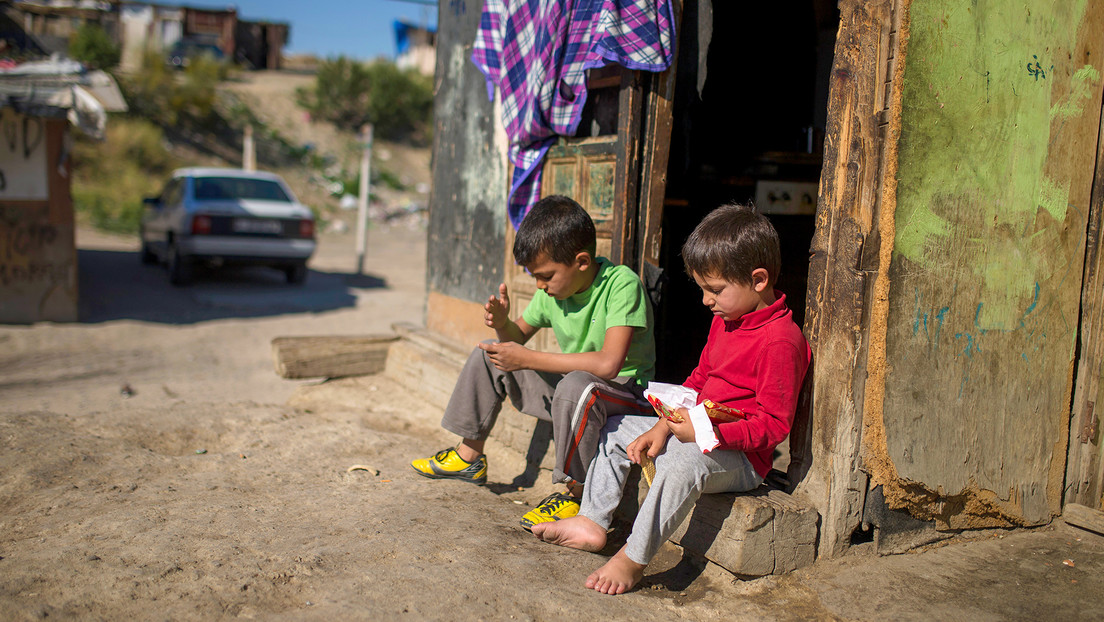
(754, 361)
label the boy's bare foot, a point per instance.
(577, 532)
(618, 576)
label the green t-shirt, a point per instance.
(615, 298)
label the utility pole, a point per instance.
(362, 202)
(249, 152)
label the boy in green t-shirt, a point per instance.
(602, 320)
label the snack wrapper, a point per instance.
(667, 398)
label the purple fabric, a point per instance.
(537, 53)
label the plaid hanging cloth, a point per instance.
(537, 53)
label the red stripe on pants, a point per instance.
(594, 395)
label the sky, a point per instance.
(360, 29)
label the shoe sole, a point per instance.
(477, 482)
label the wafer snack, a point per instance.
(647, 467)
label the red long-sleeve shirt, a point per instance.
(755, 364)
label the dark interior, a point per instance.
(750, 109)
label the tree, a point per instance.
(91, 46)
(349, 94)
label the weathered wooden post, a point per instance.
(362, 202)
(249, 151)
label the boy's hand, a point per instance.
(507, 355)
(682, 431)
(498, 309)
(652, 443)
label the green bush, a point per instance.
(91, 46)
(166, 96)
(111, 177)
(349, 94)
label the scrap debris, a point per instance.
(361, 467)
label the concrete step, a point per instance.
(752, 534)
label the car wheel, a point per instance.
(180, 267)
(297, 274)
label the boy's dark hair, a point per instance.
(730, 243)
(556, 226)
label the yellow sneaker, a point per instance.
(554, 507)
(447, 464)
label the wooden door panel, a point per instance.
(595, 171)
(585, 170)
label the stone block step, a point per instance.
(751, 534)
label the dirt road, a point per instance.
(154, 467)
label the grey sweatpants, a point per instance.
(577, 404)
(682, 474)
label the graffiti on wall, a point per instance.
(28, 251)
(23, 173)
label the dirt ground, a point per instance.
(154, 467)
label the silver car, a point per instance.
(220, 216)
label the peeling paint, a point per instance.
(1053, 197)
(978, 133)
(1073, 104)
(467, 219)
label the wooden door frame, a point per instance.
(846, 306)
(1084, 483)
(627, 179)
(655, 152)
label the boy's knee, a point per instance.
(480, 354)
(575, 383)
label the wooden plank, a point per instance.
(38, 255)
(330, 356)
(1086, 518)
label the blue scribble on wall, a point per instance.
(1036, 69)
(931, 331)
(970, 341)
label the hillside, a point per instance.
(319, 161)
(271, 97)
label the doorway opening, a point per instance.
(750, 111)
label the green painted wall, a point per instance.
(1000, 110)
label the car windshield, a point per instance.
(213, 188)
